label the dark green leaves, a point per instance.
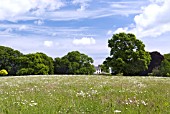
(36, 64)
(9, 59)
(74, 63)
(127, 54)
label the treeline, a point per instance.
(127, 57)
(17, 63)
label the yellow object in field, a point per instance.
(3, 72)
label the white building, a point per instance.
(98, 70)
(110, 70)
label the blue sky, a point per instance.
(56, 27)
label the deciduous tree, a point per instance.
(127, 54)
(74, 63)
(164, 68)
(36, 64)
(9, 59)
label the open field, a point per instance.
(84, 94)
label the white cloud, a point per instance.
(118, 6)
(127, 4)
(8, 30)
(121, 30)
(157, 1)
(80, 1)
(39, 22)
(83, 4)
(118, 30)
(54, 34)
(22, 27)
(84, 41)
(57, 44)
(13, 8)
(110, 32)
(48, 43)
(55, 47)
(153, 21)
(43, 31)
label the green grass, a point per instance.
(84, 94)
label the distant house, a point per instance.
(110, 70)
(98, 70)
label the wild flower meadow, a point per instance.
(84, 94)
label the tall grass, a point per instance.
(84, 94)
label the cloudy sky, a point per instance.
(56, 27)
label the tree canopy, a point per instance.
(16, 63)
(9, 59)
(164, 68)
(36, 64)
(127, 54)
(74, 63)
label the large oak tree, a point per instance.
(127, 54)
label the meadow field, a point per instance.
(84, 95)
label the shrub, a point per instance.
(119, 74)
(167, 74)
(156, 72)
(3, 72)
(150, 74)
(25, 71)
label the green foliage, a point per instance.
(119, 74)
(25, 71)
(165, 65)
(61, 66)
(36, 64)
(74, 63)
(3, 72)
(104, 67)
(155, 72)
(127, 54)
(164, 68)
(41, 69)
(40, 64)
(9, 59)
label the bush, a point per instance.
(167, 74)
(156, 72)
(164, 68)
(3, 72)
(150, 74)
(25, 71)
(119, 74)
